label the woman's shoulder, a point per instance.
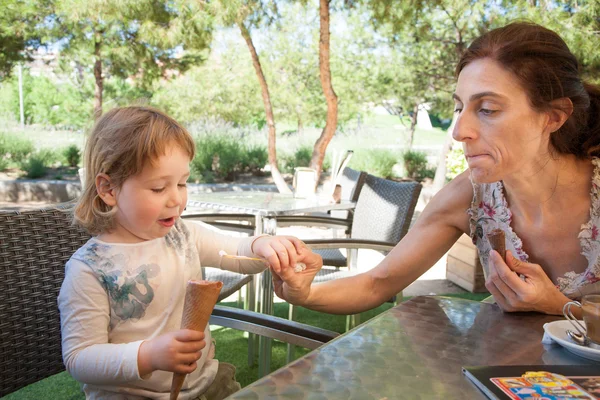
(450, 204)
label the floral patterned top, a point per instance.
(489, 210)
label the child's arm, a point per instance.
(278, 251)
(89, 358)
(85, 318)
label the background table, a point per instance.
(266, 207)
(415, 351)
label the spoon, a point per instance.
(578, 338)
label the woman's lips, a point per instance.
(476, 156)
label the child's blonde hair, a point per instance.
(123, 140)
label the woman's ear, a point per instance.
(561, 111)
(105, 190)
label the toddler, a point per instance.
(122, 298)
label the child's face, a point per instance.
(149, 203)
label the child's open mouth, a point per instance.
(167, 222)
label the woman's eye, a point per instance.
(486, 111)
(182, 185)
(158, 190)
(457, 110)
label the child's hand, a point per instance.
(294, 286)
(279, 251)
(174, 351)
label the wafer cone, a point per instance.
(200, 300)
(498, 242)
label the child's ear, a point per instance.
(105, 190)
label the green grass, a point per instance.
(232, 347)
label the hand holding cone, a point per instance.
(200, 300)
(497, 240)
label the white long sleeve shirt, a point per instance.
(115, 296)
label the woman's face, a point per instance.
(502, 135)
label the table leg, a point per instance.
(268, 226)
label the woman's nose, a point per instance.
(463, 128)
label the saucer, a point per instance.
(557, 331)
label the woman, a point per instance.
(530, 130)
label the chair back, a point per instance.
(384, 209)
(352, 182)
(34, 247)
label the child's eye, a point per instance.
(159, 190)
(182, 185)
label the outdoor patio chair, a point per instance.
(34, 247)
(382, 216)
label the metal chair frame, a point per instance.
(34, 247)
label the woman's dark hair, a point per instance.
(547, 70)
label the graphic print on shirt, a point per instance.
(129, 291)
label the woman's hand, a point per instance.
(535, 292)
(292, 286)
(280, 251)
(175, 351)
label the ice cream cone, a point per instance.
(497, 240)
(200, 300)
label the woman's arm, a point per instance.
(443, 221)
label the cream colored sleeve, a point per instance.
(210, 241)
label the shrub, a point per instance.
(300, 158)
(14, 149)
(455, 162)
(221, 154)
(36, 164)
(414, 163)
(72, 155)
(376, 162)
(256, 158)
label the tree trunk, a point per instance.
(318, 155)
(277, 178)
(413, 126)
(300, 129)
(98, 75)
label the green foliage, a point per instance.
(22, 27)
(299, 158)
(34, 167)
(256, 158)
(47, 102)
(455, 162)
(224, 88)
(220, 154)
(14, 150)
(376, 162)
(72, 155)
(415, 165)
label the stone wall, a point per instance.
(19, 191)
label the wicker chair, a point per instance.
(382, 217)
(34, 247)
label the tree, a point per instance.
(132, 39)
(224, 87)
(331, 99)
(21, 31)
(246, 15)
